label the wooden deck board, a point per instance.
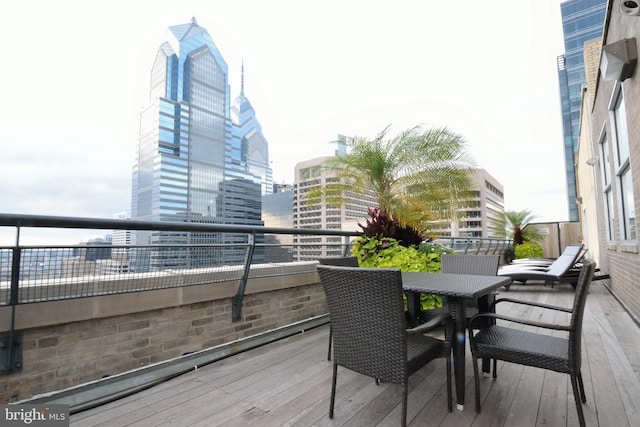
(287, 383)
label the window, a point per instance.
(606, 185)
(622, 168)
(628, 208)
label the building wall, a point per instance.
(310, 176)
(474, 219)
(619, 256)
(586, 155)
(72, 342)
(582, 20)
(277, 211)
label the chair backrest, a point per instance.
(485, 265)
(347, 261)
(367, 320)
(582, 290)
(565, 261)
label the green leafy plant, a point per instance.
(386, 252)
(387, 244)
(528, 250)
(433, 253)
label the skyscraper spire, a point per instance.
(242, 80)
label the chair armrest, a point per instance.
(531, 303)
(544, 325)
(431, 324)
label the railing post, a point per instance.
(11, 345)
(345, 251)
(236, 304)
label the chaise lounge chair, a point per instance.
(544, 262)
(557, 271)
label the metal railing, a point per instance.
(163, 255)
(475, 245)
(171, 254)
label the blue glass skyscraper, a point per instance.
(254, 149)
(193, 162)
(582, 20)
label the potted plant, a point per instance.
(386, 244)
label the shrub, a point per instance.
(387, 244)
(386, 252)
(433, 253)
(528, 250)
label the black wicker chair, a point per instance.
(347, 261)
(484, 265)
(536, 349)
(369, 329)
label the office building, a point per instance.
(582, 20)
(194, 162)
(475, 218)
(309, 176)
(277, 208)
(277, 212)
(253, 145)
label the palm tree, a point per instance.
(516, 225)
(417, 176)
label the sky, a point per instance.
(75, 76)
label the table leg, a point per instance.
(413, 307)
(457, 309)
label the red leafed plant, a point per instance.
(380, 225)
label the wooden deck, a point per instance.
(287, 383)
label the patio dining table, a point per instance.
(458, 288)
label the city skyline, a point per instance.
(335, 69)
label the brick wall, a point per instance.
(619, 258)
(103, 339)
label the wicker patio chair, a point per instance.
(485, 265)
(535, 348)
(369, 329)
(347, 261)
(342, 261)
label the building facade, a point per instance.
(277, 211)
(277, 208)
(194, 162)
(610, 149)
(309, 176)
(475, 218)
(582, 20)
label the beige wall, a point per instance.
(618, 257)
(585, 173)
